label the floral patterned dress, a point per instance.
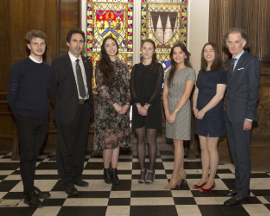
(112, 129)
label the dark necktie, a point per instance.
(232, 64)
(80, 80)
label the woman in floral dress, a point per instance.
(112, 117)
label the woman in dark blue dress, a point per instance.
(208, 108)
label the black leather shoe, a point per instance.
(115, 179)
(107, 176)
(30, 198)
(40, 194)
(235, 200)
(71, 190)
(81, 183)
(232, 192)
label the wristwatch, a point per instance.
(176, 110)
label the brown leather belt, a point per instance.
(81, 101)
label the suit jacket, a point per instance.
(243, 89)
(63, 91)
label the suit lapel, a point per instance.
(70, 68)
(239, 65)
(229, 71)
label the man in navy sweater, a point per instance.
(29, 83)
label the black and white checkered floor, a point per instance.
(130, 198)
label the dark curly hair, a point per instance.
(154, 57)
(105, 64)
(174, 64)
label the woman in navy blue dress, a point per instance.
(208, 108)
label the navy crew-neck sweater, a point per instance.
(28, 88)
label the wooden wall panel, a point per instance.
(17, 17)
(253, 16)
(30, 14)
(69, 16)
(4, 44)
(221, 18)
(256, 21)
(263, 125)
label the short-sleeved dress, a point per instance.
(181, 129)
(145, 88)
(212, 123)
(112, 129)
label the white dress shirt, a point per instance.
(237, 58)
(73, 62)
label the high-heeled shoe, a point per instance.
(141, 181)
(178, 182)
(183, 177)
(148, 181)
(203, 190)
(199, 186)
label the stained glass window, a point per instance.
(111, 17)
(165, 22)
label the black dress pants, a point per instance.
(31, 132)
(239, 142)
(71, 145)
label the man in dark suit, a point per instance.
(242, 95)
(71, 95)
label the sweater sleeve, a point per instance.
(157, 91)
(13, 87)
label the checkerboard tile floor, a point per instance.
(129, 198)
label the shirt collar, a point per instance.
(34, 60)
(238, 57)
(73, 58)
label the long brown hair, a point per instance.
(217, 60)
(105, 64)
(174, 64)
(153, 64)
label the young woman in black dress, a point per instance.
(208, 109)
(146, 82)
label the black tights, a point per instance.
(152, 150)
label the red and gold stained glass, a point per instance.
(114, 17)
